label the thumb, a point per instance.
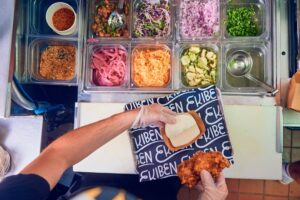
(221, 183)
(206, 179)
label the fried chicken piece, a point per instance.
(186, 173)
(213, 162)
(189, 170)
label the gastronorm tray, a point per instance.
(39, 36)
(221, 42)
(90, 83)
(261, 70)
(38, 45)
(207, 47)
(85, 40)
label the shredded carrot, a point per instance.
(151, 67)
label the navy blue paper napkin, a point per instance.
(153, 158)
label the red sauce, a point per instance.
(63, 19)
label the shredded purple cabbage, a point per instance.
(152, 19)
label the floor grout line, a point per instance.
(292, 138)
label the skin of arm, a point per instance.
(76, 145)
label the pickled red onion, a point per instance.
(108, 64)
(199, 18)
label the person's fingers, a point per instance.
(168, 111)
(206, 179)
(167, 118)
(199, 187)
(156, 107)
(220, 179)
(158, 124)
(221, 183)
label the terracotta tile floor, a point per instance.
(256, 190)
(242, 189)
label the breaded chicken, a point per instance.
(189, 170)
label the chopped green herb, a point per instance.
(242, 21)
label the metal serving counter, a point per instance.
(280, 52)
(280, 62)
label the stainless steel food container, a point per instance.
(179, 17)
(88, 81)
(38, 36)
(221, 43)
(167, 37)
(36, 47)
(262, 68)
(152, 46)
(214, 47)
(91, 12)
(263, 14)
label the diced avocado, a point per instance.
(190, 76)
(206, 68)
(214, 56)
(200, 76)
(198, 81)
(207, 76)
(194, 49)
(213, 64)
(213, 73)
(202, 62)
(205, 82)
(185, 60)
(200, 71)
(210, 55)
(203, 52)
(193, 57)
(192, 69)
(192, 83)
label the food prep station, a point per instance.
(268, 51)
(38, 36)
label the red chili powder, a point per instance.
(63, 19)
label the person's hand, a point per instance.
(154, 114)
(211, 189)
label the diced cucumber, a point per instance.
(199, 66)
(193, 57)
(192, 69)
(203, 52)
(202, 62)
(194, 49)
(190, 76)
(185, 60)
(210, 55)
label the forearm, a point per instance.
(79, 143)
(76, 145)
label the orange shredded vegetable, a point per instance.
(151, 67)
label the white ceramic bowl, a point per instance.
(50, 12)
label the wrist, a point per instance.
(131, 116)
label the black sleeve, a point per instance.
(25, 187)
